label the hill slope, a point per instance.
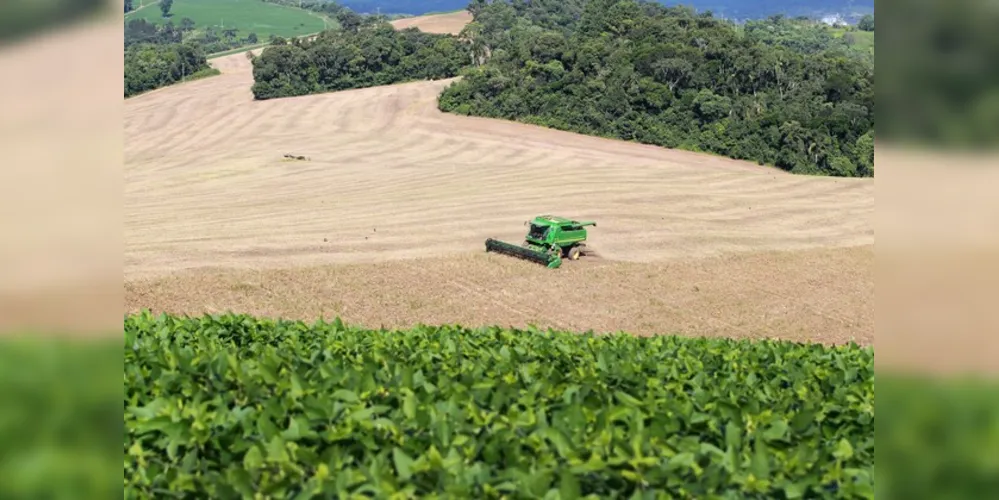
(247, 16)
(404, 195)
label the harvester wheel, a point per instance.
(574, 253)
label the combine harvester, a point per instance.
(548, 240)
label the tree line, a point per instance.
(778, 91)
(149, 66)
(670, 76)
(328, 7)
(161, 54)
(156, 56)
(363, 54)
(213, 40)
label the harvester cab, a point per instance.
(549, 238)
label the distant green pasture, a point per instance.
(248, 16)
(863, 41)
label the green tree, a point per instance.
(866, 23)
(865, 154)
(476, 6)
(165, 6)
(349, 20)
(149, 66)
(842, 166)
(141, 31)
(378, 54)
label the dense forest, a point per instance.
(362, 54)
(156, 56)
(672, 77)
(152, 65)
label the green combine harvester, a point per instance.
(548, 240)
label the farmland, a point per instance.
(220, 406)
(687, 242)
(248, 16)
(734, 290)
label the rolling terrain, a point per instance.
(384, 222)
(263, 18)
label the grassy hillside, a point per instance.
(861, 41)
(248, 16)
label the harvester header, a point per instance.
(549, 238)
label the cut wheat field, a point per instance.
(390, 208)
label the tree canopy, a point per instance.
(672, 77)
(866, 23)
(366, 52)
(150, 65)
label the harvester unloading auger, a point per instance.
(548, 240)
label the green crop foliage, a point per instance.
(229, 406)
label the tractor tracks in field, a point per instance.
(502, 298)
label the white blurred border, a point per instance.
(61, 181)
(937, 251)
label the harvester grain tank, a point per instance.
(549, 238)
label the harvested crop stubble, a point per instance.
(224, 406)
